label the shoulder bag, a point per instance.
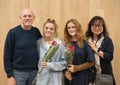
(104, 79)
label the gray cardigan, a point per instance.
(52, 75)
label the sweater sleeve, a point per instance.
(8, 53)
(108, 49)
(38, 33)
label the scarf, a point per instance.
(97, 58)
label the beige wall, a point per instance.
(61, 11)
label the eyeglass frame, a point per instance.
(99, 26)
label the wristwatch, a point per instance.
(97, 50)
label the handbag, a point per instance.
(104, 79)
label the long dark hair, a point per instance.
(92, 21)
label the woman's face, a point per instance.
(49, 30)
(97, 28)
(71, 29)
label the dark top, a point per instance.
(108, 49)
(81, 55)
(20, 50)
(106, 66)
(105, 63)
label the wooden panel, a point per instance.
(61, 11)
(9, 17)
(116, 34)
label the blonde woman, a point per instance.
(52, 70)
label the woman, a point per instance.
(101, 44)
(52, 70)
(83, 56)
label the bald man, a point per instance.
(20, 51)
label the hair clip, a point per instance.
(52, 20)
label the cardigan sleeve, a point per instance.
(108, 49)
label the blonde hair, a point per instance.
(54, 23)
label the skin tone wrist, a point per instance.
(100, 53)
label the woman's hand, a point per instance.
(72, 68)
(92, 45)
(44, 64)
(68, 75)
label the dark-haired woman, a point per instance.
(101, 44)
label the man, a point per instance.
(20, 51)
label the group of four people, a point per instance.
(25, 49)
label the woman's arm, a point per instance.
(84, 66)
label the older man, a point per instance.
(20, 51)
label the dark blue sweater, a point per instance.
(20, 51)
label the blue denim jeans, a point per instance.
(24, 77)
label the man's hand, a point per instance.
(11, 81)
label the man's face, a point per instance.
(27, 18)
